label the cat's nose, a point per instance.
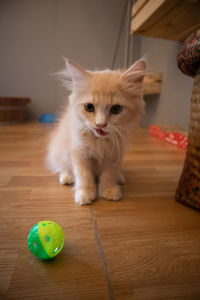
(99, 125)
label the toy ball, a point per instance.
(45, 239)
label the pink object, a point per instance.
(174, 138)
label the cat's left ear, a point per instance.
(135, 74)
(80, 77)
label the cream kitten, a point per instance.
(87, 145)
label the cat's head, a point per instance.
(108, 101)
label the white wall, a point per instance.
(35, 34)
(173, 105)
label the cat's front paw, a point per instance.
(111, 192)
(85, 196)
(66, 178)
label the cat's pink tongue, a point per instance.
(101, 132)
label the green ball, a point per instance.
(45, 239)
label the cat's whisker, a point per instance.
(122, 137)
(120, 134)
(123, 145)
(117, 144)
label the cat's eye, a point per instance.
(89, 107)
(116, 109)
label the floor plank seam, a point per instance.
(102, 256)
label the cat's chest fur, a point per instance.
(102, 150)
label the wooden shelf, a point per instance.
(13, 110)
(166, 19)
(14, 101)
(152, 83)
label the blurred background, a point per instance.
(35, 35)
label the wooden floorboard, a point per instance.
(146, 246)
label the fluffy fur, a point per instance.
(86, 147)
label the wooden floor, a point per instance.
(145, 246)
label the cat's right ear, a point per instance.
(80, 77)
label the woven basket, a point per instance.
(188, 190)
